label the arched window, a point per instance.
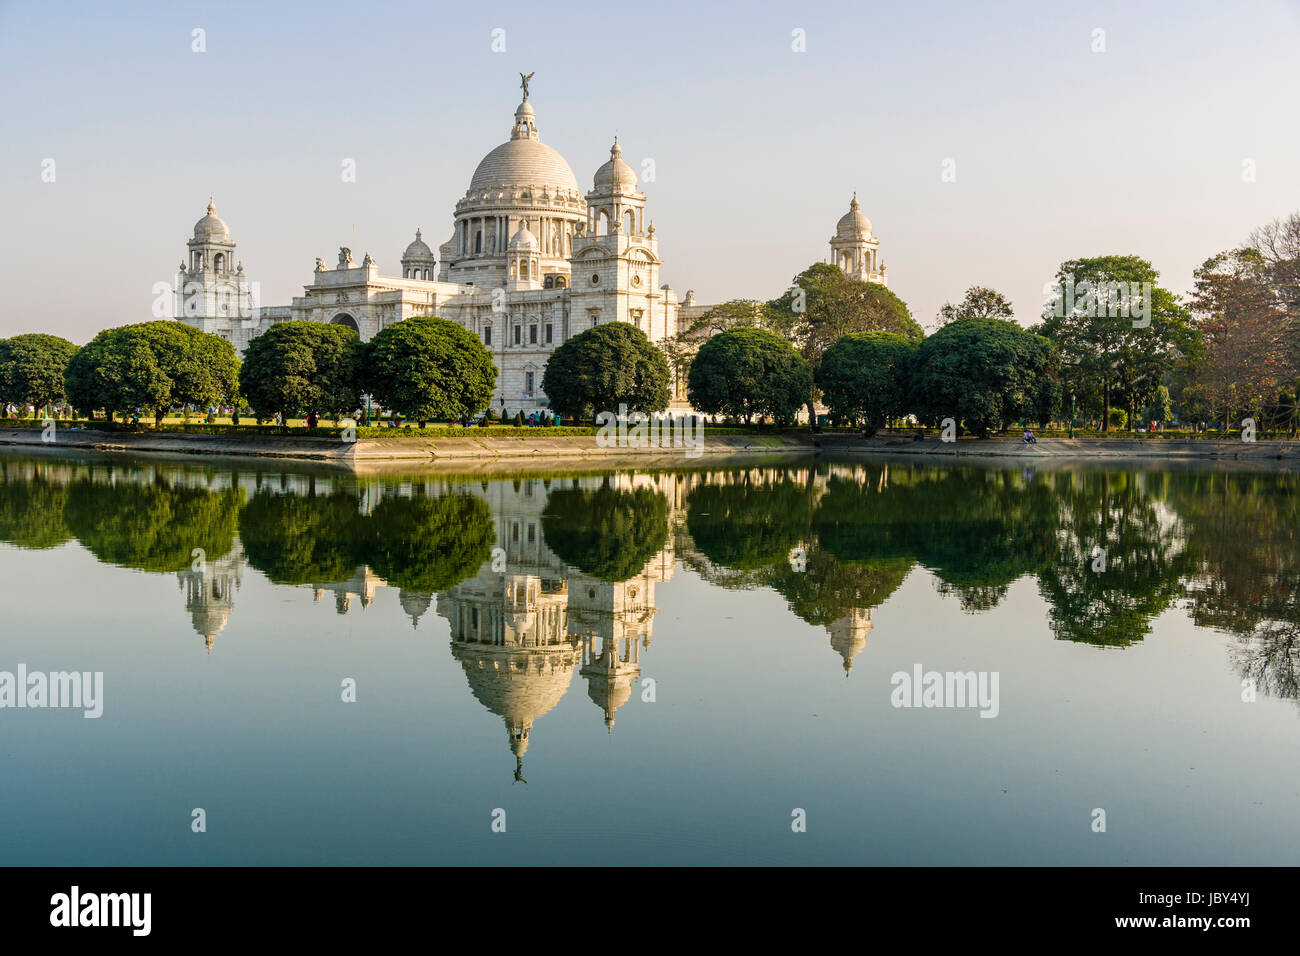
(561, 282)
(218, 262)
(344, 319)
(602, 223)
(548, 282)
(478, 241)
(631, 223)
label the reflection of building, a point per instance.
(520, 631)
(849, 635)
(210, 592)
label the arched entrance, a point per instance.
(344, 319)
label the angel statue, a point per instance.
(524, 82)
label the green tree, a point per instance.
(747, 372)
(302, 367)
(979, 303)
(985, 373)
(429, 369)
(1161, 407)
(823, 305)
(1119, 333)
(152, 366)
(864, 378)
(611, 365)
(32, 368)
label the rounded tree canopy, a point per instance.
(152, 366)
(747, 372)
(605, 367)
(32, 368)
(428, 368)
(302, 367)
(985, 373)
(864, 377)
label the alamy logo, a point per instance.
(83, 690)
(1114, 299)
(946, 689)
(75, 908)
(660, 430)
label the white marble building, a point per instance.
(531, 262)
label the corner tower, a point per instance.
(616, 260)
(854, 249)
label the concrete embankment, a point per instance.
(474, 451)
(408, 447)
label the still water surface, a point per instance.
(650, 667)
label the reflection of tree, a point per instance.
(1144, 560)
(746, 524)
(296, 539)
(976, 530)
(31, 512)
(1245, 548)
(828, 589)
(609, 534)
(425, 544)
(152, 527)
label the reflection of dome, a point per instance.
(523, 160)
(518, 684)
(853, 222)
(211, 228)
(615, 172)
(210, 621)
(849, 635)
(609, 692)
(414, 603)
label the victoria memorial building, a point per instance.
(531, 262)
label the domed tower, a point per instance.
(616, 263)
(418, 261)
(522, 179)
(854, 249)
(523, 260)
(212, 292)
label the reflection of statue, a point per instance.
(524, 83)
(345, 257)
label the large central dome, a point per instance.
(524, 160)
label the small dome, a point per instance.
(418, 249)
(211, 228)
(616, 172)
(523, 239)
(853, 222)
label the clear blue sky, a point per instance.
(1059, 151)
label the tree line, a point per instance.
(1111, 347)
